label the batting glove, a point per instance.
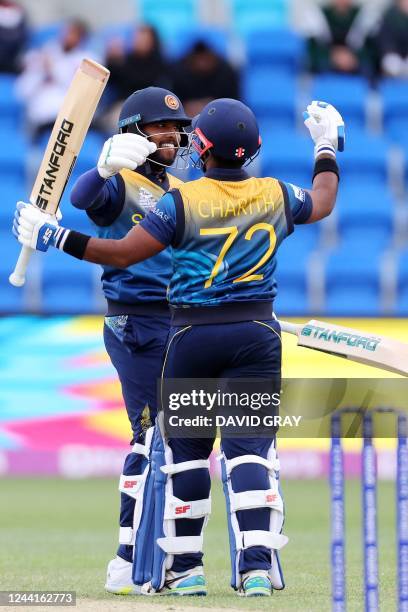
(326, 127)
(35, 229)
(124, 151)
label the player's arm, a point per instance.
(326, 128)
(97, 191)
(156, 231)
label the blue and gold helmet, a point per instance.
(151, 105)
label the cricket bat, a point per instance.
(352, 344)
(67, 137)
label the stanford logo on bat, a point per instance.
(54, 163)
(240, 152)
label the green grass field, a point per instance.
(59, 535)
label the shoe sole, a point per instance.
(186, 592)
(258, 592)
(131, 590)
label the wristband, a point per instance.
(74, 243)
(326, 164)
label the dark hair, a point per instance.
(155, 35)
(80, 25)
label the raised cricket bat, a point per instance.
(376, 351)
(63, 147)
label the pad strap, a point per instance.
(140, 449)
(177, 508)
(132, 485)
(184, 466)
(247, 500)
(274, 541)
(126, 536)
(181, 544)
(270, 465)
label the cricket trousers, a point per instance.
(229, 350)
(135, 345)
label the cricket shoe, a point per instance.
(190, 583)
(256, 584)
(119, 578)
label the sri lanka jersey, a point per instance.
(225, 229)
(131, 195)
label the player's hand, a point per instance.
(124, 151)
(33, 228)
(326, 127)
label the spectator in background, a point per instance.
(47, 73)
(393, 40)
(340, 38)
(13, 35)
(202, 76)
(140, 66)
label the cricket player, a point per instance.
(130, 177)
(224, 229)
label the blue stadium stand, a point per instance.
(276, 111)
(353, 281)
(404, 150)
(10, 107)
(11, 298)
(358, 227)
(291, 273)
(122, 31)
(248, 15)
(13, 154)
(90, 151)
(183, 39)
(11, 192)
(287, 156)
(370, 196)
(402, 286)
(347, 93)
(163, 14)
(365, 215)
(67, 284)
(39, 36)
(277, 48)
(364, 163)
(291, 276)
(272, 96)
(394, 93)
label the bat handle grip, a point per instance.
(289, 328)
(17, 278)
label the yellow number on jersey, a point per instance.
(232, 234)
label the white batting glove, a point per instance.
(34, 228)
(326, 127)
(124, 151)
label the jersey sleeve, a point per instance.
(161, 221)
(102, 199)
(299, 201)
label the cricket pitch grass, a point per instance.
(60, 534)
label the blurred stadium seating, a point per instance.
(359, 251)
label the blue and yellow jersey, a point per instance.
(130, 197)
(225, 229)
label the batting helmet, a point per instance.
(150, 105)
(228, 129)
